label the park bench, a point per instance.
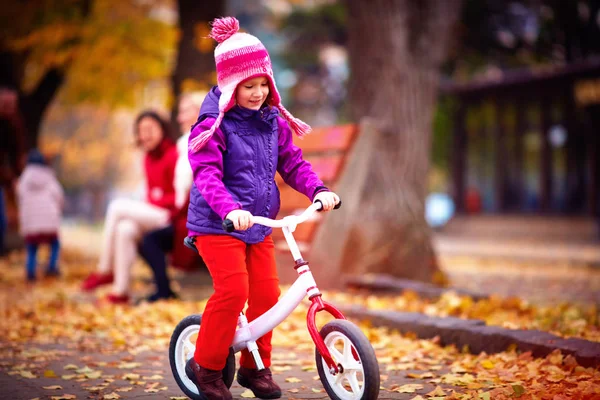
(326, 148)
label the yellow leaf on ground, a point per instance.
(438, 391)
(487, 364)
(418, 398)
(318, 390)
(70, 366)
(28, 375)
(85, 370)
(127, 389)
(153, 377)
(410, 388)
(129, 365)
(111, 396)
(151, 390)
(53, 387)
(68, 377)
(94, 375)
(49, 374)
(96, 388)
(131, 377)
(293, 380)
(64, 397)
(248, 394)
(178, 398)
(294, 390)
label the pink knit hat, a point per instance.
(241, 56)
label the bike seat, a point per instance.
(190, 242)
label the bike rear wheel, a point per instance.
(182, 348)
(351, 350)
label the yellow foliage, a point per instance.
(109, 54)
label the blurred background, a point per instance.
(488, 109)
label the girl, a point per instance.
(236, 146)
(41, 199)
(127, 220)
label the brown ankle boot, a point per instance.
(260, 382)
(209, 383)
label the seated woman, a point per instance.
(128, 220)
(156, 244)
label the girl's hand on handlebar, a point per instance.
(242, 220)
(328, 199)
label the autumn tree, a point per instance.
(106, 51)
(396, 49)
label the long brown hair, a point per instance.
(164, 126)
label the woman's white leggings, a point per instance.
(125, 224)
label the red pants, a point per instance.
(240, 272)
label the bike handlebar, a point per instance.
(290, 221)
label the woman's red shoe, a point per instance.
(117, 298)
(95, 280)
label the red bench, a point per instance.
(326, 149)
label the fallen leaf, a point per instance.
(96, 388)
(64, 397)
(248, 394)
(318, 390)
(27, 374)
(519, 390)
(178, 398)
(84, 370)
(68, 377)
(438, 391)
(129, 365)
(70, 366)
(151, 390)
(153, 377)
(49, 374)
(487, 364)
(94, 375)
(127, 389)
(53, 387)
(131, 377)
(111, 396)
(294, 390)
(409, 388)
(293, 380)
(418, 398)
(485, 396)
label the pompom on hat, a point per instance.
(238, 57)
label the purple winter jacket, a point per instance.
(236, 168)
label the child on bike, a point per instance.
(236, 146)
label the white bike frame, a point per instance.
(248, 332)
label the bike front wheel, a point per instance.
(352, 352)
(182, 348)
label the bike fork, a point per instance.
(251, 344)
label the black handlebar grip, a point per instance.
(338, 205)
(228, 225)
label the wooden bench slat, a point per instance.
(327, 139)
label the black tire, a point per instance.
(228, 371)
(366, 354)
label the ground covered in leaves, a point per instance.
(59, 342)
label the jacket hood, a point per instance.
(37, 177)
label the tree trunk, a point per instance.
(396, 49)
(191, 63)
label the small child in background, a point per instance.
(40, 200)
